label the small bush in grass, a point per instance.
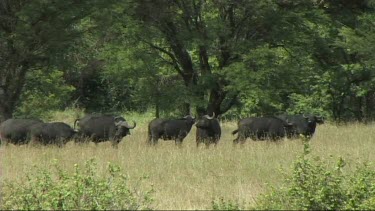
(221, 204)
(315, 185)
(84, 190)
(361, 189)
(312, 185)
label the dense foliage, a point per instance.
(234, 58)
(84, 189)
(315, 184)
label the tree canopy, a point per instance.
(234, 58)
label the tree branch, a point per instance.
(174, 60)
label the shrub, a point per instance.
(44, 91)
(221, 204)
(315, 185)
(361, 189)
(84, 189)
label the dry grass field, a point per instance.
(191, 177)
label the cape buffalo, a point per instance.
(16, 131)
(208, 130)
(101, 128)
(303, 124)
(169, 129)
(260, 128)
(57, 133)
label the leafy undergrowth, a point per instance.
(84, 189)
(316, 185)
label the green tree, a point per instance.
(44, 91)
(35, 35)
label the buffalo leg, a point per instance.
(149, 139)
(152, 138)
(80, 140)
(180, 138)
(35, 142)
(235, 141)
(60, 143)
(4, 142)
(155, 140)
(178, 141)
(240, 139)
(199, 141)
(115, 144)
(208, 142)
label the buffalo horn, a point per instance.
(187, 116)
(210, 117)
(118, 117)
(125, 124)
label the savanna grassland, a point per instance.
(191, 177)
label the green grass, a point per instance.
(190, 177)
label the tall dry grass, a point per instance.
(191, 177)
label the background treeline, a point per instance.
(232, 57)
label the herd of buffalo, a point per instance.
(98, 128)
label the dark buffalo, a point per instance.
(57, 133)
(260, 128)
(169, 129)
(208, 130)
(303, 124)
(101, 128)
(17, 131)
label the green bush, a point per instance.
(83, 189)
(312, 186)
(315, 185)
(221, 204)
(44, 91)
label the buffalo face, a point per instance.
(309, 128)
(122, 129)
(190, 120)
(205, 121)
(208, 130)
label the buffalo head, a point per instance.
(314, 119)
(205, 121)
(190, 119)
(123, 128)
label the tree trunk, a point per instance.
(11, 87)
(157, 109)
(5, 112)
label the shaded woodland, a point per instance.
(234, 58)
